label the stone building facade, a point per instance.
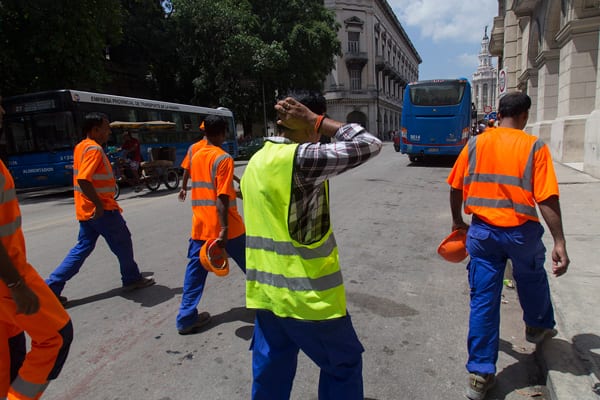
(549, 49)
(378, 60)
(483, 82)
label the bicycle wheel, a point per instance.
(172, 179)
(117, 191)
(152, 182)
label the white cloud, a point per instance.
(467, 60)
(441, 20)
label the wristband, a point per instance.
(318, 123)
(15, 285)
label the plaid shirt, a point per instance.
(314, 164)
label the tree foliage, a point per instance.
(209, 52)
(51, 44)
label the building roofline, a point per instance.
(386, 8)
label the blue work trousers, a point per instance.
(490, 247)
(331, 344)
(113, 229)
(195, 277)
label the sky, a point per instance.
(446, 33)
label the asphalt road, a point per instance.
(409, 307)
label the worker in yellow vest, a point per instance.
(293, 276)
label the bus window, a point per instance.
(41, 132)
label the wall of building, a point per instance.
(378, 60)
(549, 49)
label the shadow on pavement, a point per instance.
(146, 297)
(434, 162)
(517, 377)
(235, 314)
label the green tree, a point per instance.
(232, 50)
(146, 50)
(53, 44)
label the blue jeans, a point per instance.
(490, 247)
(331, 344)
(113, 229)
(195, 278)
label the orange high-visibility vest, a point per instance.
(185, 164)
(211, 174)
(507, 172)
(11, 234)
(43, 326)
(91, 164)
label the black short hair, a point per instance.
(215, 125)
(315, 103)
(92, 120)
(513, 104)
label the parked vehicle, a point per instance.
(247, 149)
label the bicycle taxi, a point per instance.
(159, 168)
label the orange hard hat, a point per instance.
(453, 248)
(214, 258)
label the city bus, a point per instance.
(41, 130)
(436, 118)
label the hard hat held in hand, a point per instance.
(214, 258)
(453, 248)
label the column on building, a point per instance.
(578, 41)
(591, 156)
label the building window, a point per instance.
(485, 94)
(355, 78)
(354, 42)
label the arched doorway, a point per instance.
(357, 117)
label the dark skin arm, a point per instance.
(222, 211)
(88, 190)
(550, 209)
(26, 300)
(456, 200)
(184, 182)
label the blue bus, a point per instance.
(436, 118)
(41, 130)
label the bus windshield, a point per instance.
(437, 94)
(40, 133)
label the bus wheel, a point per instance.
(152, 182)
(172, 179)
(117, 191)
(413, 158)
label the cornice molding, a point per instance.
(577, 27)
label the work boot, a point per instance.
(538, 335)
(203, 319)
(479, 384)
(139, 284)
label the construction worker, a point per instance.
(27, 305)
(214, 216)
(293, 273)
(500, 176)
(185, 165)
(97, 211)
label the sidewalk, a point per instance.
(572, 358)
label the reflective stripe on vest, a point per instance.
(295, 284)
(11, 227)
(96, 177)
(291, 279)
(525, 183)
(209, 185)
(6, 196)
(27, 389)
(288, 249)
